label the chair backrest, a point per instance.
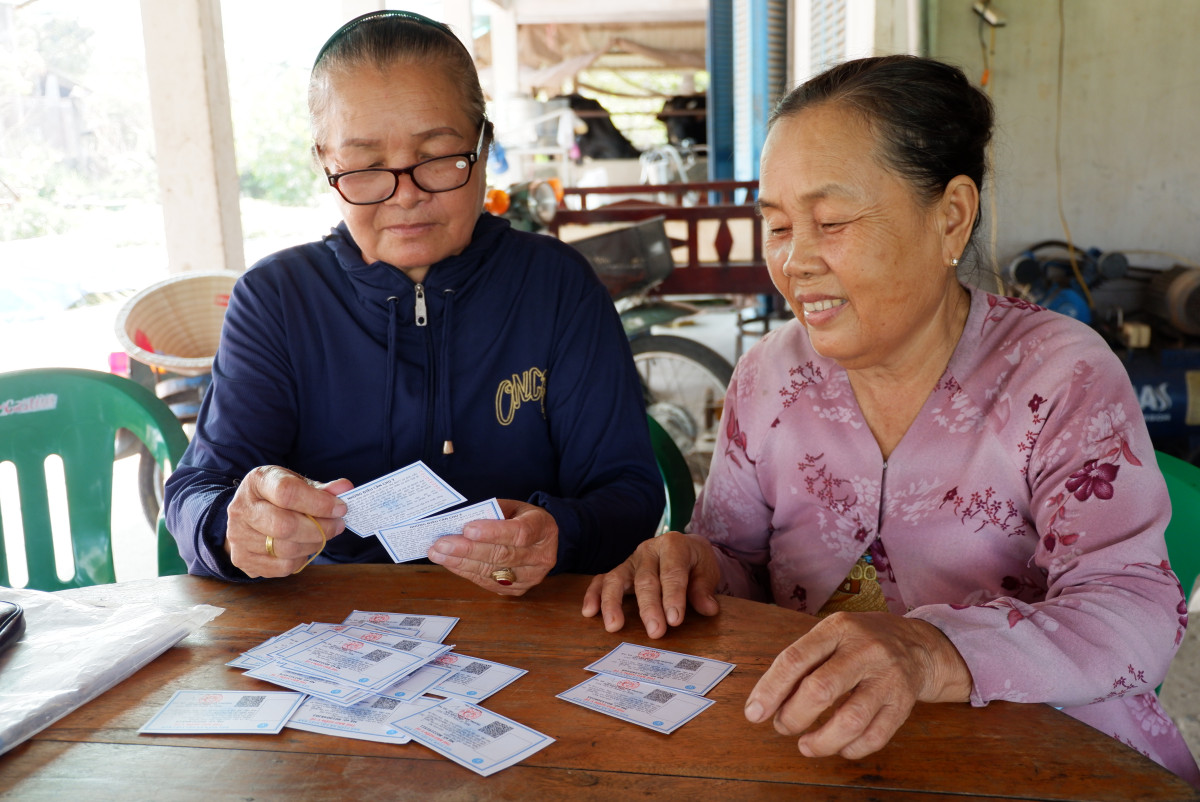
(76, 414)
(1183, 532)
(677, 477)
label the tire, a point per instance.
(150, 485)
(684, 384)
(183, 395)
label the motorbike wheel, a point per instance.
(183, 395)
(150, 485)
(684, 385)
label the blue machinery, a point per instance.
(1151, 318)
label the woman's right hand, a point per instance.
(273, 502)
(666, 573)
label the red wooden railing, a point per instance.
(695, 276)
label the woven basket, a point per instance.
(175, 324)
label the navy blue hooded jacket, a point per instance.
(512, 350)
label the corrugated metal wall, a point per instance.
(758, 62)
(828, 34)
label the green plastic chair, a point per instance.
(1183, 532)
(677, 478)
(76, 414)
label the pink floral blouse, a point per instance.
(1022, 514)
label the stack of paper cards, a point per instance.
(653, 688)
(384, 677)
(396, 508)
(342, 669)
(368, 654)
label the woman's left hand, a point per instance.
(525, 542)
(868, 669)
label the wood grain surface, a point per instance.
(953, 751)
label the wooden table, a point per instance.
(1004, 751)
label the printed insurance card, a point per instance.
(643, 703)
(426, 627)
(685, 672)
(224, 711)
(412, 541)
(367, 721)
(482, 741)
(403, 495)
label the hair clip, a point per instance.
(374, 15)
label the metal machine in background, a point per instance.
(1150, 317)
(528, 205)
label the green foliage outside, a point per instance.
(73, 134)
(65, 157)
(273, 141)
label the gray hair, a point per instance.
(930, 122)
(381, 39)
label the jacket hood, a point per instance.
(374, 283)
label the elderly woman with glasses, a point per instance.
(423, 329)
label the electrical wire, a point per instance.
(986, 78)
(1058, 115)
(985, 82)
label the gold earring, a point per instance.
(954, 261)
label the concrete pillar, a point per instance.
(193, 133)
(458, 15)
(508, 108)
(506, 74)
(897, 27)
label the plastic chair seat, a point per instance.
(76, 414)
(677, 478)
(1183, 532)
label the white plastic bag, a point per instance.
(72, 652)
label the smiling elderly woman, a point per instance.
(418, 329)
(959, 484)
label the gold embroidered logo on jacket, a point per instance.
(526, 388)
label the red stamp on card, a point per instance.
(648, 654)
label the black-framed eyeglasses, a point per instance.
(377, 184)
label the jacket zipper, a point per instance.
(420, 315)
(421, 320)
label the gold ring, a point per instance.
(271, 547)
(504, 576)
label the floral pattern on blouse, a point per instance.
(1022, 513)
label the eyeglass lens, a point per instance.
(435, 175)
